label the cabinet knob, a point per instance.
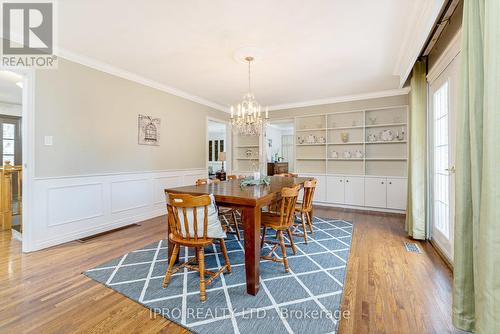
(340, 180)
(346, 180)
(390, 182)
(382, 182)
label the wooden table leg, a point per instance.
(251, 225)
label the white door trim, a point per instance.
(227, 146)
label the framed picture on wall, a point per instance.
(148, 130)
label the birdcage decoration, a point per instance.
(150, 133)
(149, 130)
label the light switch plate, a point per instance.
(48, 141)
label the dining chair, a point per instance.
(281, 221)
(305, 208)
(287, 175)
(199, 227)
(222, 210)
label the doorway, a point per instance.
(443, 98)
(11, 110)
(218, 160)
(279, 143)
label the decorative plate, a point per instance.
(387, 135)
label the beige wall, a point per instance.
(92, 117)
(342, 106)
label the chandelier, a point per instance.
(247, 119)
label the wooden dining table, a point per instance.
(250, 200)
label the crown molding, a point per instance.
(118, 72)
(420, 25)
(346, 98)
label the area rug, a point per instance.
(307, 299)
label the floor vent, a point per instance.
(412, 247)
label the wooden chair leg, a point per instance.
(224, 253)
(292, 243)
(283, 250)
(201, 264)
(175, 251)
(263, 236)
(309, 221)
(303, 226)
(235, 221)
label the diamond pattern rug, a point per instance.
(307, 299)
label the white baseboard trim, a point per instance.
(363, 208)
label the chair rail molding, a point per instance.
(67, 208)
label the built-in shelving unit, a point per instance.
(353, 142)
(246, 153)
(358, 157)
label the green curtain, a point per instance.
(476, 291)
(417, 156)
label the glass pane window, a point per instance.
(9, 158)
(441, 162)
(9, 131)
(8, 146)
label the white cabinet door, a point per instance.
(335, 189)
(376, 192)
(320, 192)
(354, 190)
(396, 194)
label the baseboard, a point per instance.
(360, 209)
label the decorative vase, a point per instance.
(344, 136)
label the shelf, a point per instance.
(305, 130)
(246, 146)
(386, 142)
(382, 125)
(310, 158)
(247, 159)
(347, 127)
(310, 144)
(343, 159)
(348, 143)
(386, 159)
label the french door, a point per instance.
(443, 107)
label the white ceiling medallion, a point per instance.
(242, 53)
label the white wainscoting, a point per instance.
(73, 207)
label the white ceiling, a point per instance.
(9, 91)
(315, 49)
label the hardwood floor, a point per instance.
(387, 290)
